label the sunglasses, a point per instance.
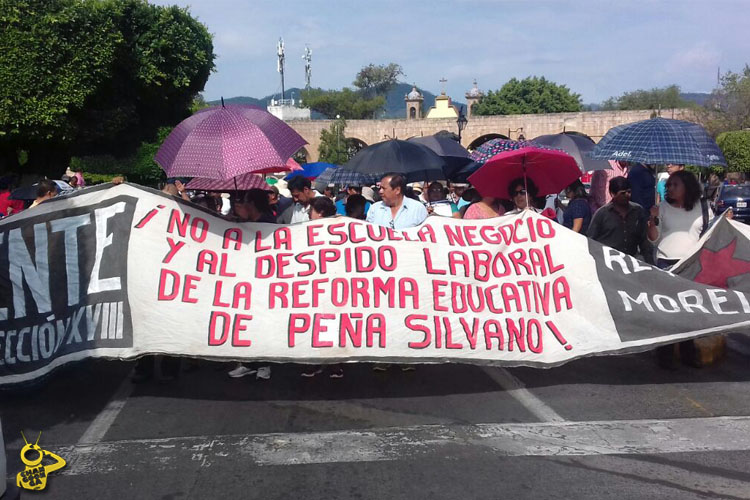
(520, 191)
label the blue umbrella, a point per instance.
(660, 141)
(310, 170)
(341, 177)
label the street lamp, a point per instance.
(461, 121)
(520, 136)
(338, 139)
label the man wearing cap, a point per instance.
(396, 210)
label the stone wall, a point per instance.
(592, 123)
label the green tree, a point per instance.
(729, 107)
(334, 147)
(656, 98)
(378, 80)
(527, 96)
(736, 148)
(94, 76)
(54, 55)
(138, 167)
(345, 103)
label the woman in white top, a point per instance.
(678, 223)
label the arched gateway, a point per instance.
(479, 128)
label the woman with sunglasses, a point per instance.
(677, 224)
(523, 194)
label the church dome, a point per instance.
(414, 94)
(474, 92)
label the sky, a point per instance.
(598, 48)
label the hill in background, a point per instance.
(394, 101)
(396, 108)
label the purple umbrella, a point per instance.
(222, 142)
(242, 183)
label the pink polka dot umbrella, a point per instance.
(222, 142)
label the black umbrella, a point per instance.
(576, 146)
(454, 154)
(462, 175)
(415, 161)
(29, 192)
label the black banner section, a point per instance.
(641, 296)
(63, 284)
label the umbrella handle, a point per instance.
(525, 181)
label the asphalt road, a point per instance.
(606, 427)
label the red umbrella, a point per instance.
(290, 166)
(551, 171)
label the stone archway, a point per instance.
(484, 138)
(354, 145)
(581, 134)
(301, 156)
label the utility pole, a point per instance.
(308, 66)
(280, 64)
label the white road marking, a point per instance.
(520, 393)
(625, 437)
(101, 424)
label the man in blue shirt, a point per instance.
(395, 210)
(350, 190)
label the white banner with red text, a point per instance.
(123, 271)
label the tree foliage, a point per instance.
(334, 147)
(656, 98)
(138, 167)
(372, 84)
(378, 80)
(729, 107)
(736, 148)
(527, 96)
(345, 103)
(95, 76)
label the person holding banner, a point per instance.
(677, 225)
(45, 190)
(395, 210)
(486, 208)
(522, 193)
(437, 201)
(620, 224)
(356, 206)
(577, 215)
(253, 206)
(322, 208)
(301, 190)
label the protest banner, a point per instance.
(123, 271)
